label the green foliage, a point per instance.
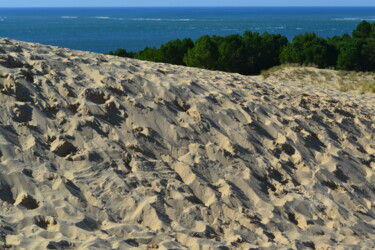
(231, 54)
(357, 52)
(174, 51)
(252, 52)
(149, 54)
(122, 53)
(368, 54)
(204, 54)
(349, 57)
(247, 54)
(363, 30)
(309, 49)
(263, 51)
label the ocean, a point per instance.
(104, 29)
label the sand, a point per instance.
(101, 152)
(345, 81)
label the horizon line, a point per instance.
(223, 6)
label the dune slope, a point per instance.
(100, 152)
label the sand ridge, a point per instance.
(100, 152)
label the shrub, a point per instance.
(309, 49)
(204, 54)
(122, 53)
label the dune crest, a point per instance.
(102, 152)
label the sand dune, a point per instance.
(346, 81)
(100, 152)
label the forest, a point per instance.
(252, 52)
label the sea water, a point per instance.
(105, 29)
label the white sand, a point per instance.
(100, 152)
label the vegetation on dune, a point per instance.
(358, 81)
(253, 52)
(172, 52)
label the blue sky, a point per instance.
(132, 3)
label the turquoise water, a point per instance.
(104, 29)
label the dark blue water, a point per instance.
(104, 29)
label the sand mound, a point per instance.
(101, 152)
(345, 81)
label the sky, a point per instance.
(145, 3)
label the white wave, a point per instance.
(299, 28)
(161, 19)
(102, 17)
(353, 19)
(275, 27)
(146, 19)
(346, 19)
(108, 18)
(69, 17)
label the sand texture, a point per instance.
(100, 152)
(345, 81)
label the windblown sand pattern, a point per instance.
(100, 152)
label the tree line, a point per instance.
(253, 52)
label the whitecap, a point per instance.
(69, 17)
(108, 18)
(102, 17)
(275, 27)
(161, 19)
(146, 19)
(346, 19)
(354, 19)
